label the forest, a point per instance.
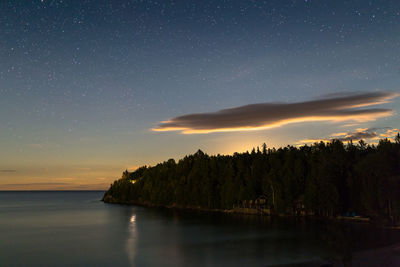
(327, 178)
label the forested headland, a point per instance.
(323, 179)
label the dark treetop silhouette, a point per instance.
(326, 179)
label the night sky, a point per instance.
(91, 88)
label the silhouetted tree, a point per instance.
(328, 178)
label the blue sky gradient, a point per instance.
(82, 83)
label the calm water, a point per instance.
(76, 229)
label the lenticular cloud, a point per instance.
(338, 107)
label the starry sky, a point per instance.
(91, 88)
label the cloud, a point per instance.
(8, 170)
(390, 133)
(338, 107)
(54, 186)
(36, 184)
(357, 135)
(368, 134)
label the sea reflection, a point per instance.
(119, 235)
(131, 240)
(162, 237)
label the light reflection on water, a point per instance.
(69, 229)
(131, 240)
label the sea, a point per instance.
(74, 228)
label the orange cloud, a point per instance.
(369, 134)
(345, 107)
(391, 133)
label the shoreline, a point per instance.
(360, 220)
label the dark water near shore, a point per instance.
(76, 229)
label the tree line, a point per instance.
(329, 179)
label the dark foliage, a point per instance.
(326, 178)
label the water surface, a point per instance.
(76, 229)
